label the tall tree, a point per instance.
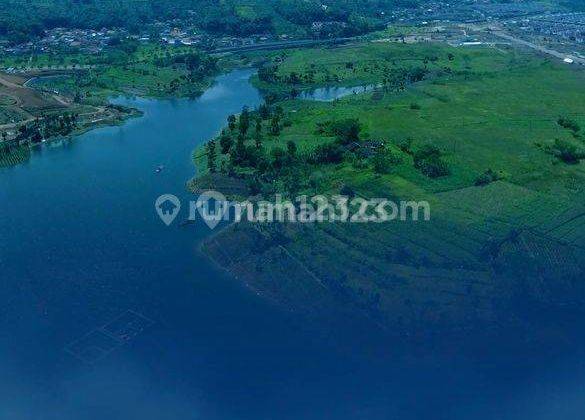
(258, 139)
(275, 125)
(211, 156)
(225, 142)
(232, 122)
(244, 120)
(291, 148)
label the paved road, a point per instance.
(282, 45)
(539, 48)
(46, 69)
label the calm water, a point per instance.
(81, 244)
(328, 94)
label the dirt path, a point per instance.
(28, 97)
(4, 81)
(61, 100)
(17, 124)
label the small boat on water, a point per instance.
(159, 169)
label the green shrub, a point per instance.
(384, 160)
(487, 178)
(429, 161)
(406, 145)
(346, 130)
(567, 151)
(568, 124)
(328, 153)
(347, 191)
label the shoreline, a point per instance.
(117, 118)
(115, 115)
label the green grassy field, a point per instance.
(520, 237)
(139, 79)
(146, 70)
(362, 63)
(10, 114)
(495, 110)
(15, 156)
(137, 53)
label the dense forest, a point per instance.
(22, 19)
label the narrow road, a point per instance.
(68, 68)
(17, 124)
(299, 43)
(539, 48)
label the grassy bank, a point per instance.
(32, 134)
(150, 70)
(81, 85)
(483, 137)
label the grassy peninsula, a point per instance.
(491, 137)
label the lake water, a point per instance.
(81, 246)
(331, 93)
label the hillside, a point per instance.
(21, 19)
(504, 183)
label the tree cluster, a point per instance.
(429, 160)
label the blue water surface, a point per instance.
(81, 244)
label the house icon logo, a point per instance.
(167, 207)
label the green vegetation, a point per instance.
(145, 70)
(475, 111)
(73, 96)
(10, 114)
(567, 151)
(428, 160)
(487, 178)
(388, 65)
(485, 147)
(20, 20)
(569, 124)
(47, 127)
(11, 155)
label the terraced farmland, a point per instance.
(488, 247)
